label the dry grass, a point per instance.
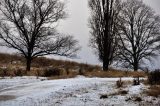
(154, 77)
(70, 75)
(6, 97)
(15, 66)
(12, 71)
(65, 73)
(119, 83)
(154, 91)
(11, 62)
(115, 73)
(10, 58)
(120, 92)
(35, 72)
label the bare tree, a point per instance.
(29, 26)
(103, 29)
(139, 29)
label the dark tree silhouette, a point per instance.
(29, 26)
(103, 29)
(139, 30)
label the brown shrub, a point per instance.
(154, 77)
(138, 99)
(123, 92)
(19, 72)
(104, 96)
(35, 72)
(119, 83)
(120, 92)
(48, 72)
(136, 81)
(12, 71)
(3, 72)
(154, 91)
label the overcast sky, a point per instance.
(76, 25)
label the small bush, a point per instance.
(138, 99)
(19, 72)
(154, 77)
(81, 71)
(119, 83)
(48, 72)
(67, 70)
(4, 72)
(38, 73)
(136, 81)
(123, 92)
(12, 71)
(104, 96)
(120, 92)
(154, 91)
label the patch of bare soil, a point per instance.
(6, 97)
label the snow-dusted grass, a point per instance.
(7, 82)
(79, 91)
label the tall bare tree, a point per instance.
(139, 29)
(103, 29)
(29, 26)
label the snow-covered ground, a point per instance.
(79, 91)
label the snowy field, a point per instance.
(79, 91)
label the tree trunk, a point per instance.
(135, 66)
(105, 64)
(28, 64)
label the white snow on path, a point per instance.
(79, 91)
(15, 81)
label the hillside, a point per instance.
(17, 60)
(14, 65)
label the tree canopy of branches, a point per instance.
(29, 26)
(103, 29)
(139, 30)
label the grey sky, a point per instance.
(76, 24)
(155, 4)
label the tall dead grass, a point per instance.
(154, 91)
(15, 65)
(115, 73)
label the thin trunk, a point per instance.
(135, 66)
(28, 64)
(135, 60)
(105, 64)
